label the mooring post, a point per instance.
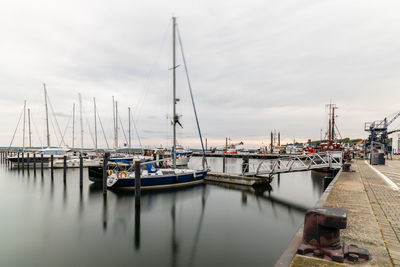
(80, 170)
(245, 164)
(65, 168)
(105, 168)
(223, 163)
(41, 164)
(160, 163)
(23, 163)
(18, 160)
(34, 163)
(52, 166)
(27, 161)
(137, 183)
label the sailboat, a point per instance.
(152, 178)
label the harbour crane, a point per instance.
(378, 133)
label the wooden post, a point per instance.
(137, 227)
(105, 168)
(27, 161)
(160, 163)
(41, 164)
(52, 166)
(223, 163)
(80, 171)
(137, 183)
(65, 168)
(18, 160)
(34, 163)
(23, 163)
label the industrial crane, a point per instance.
(378, 132)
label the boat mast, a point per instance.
(115, 146)
(174, 90)
(29, 128)
(116, 124)
(80, 111)
(47, 115)
(95, 124)
(73, 126)
(23, 128)
(330, 127)
(129, 128)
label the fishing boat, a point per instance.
(152, 178)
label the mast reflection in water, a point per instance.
(57, 224)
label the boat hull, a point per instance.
(159, 182)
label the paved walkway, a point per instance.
(371, 197)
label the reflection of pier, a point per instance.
(258, 192)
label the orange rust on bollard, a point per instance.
(321, 236)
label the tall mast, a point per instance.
(80, 111)
(47, 115)
(330, 127)
(29, 128)
(23, 128)
(174, 90)
(95, 124)
(73, 126)
(115, 142)
(116, 124)
(129, 127)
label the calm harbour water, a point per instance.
(46, 222)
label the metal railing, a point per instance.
(315, 161)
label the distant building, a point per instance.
(395, 143)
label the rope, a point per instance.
(191, 95)
(55, 118)
(123, 130)
(37, 132)
(15, 131)
(102, 129)
(137, 134)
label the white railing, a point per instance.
(269, 167)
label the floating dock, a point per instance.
(371, 196)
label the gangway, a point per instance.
(331, 160)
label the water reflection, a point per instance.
(176, 227)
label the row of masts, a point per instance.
(27, 117)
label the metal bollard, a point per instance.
(137, 183)
(23, 163)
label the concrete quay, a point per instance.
(371, 196)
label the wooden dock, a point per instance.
(232, 178)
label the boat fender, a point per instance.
(123, 174)
(109, 172)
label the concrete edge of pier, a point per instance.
(372, 216)
(291, 251)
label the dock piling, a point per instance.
(80, 171)
(223, 163)
(52, 166)
(65, 168)
(34, 163)
(41, 164)
(23, 163)
(27, 161)
(105, 167)
(18, 160)
(245, 164)
(137, 183)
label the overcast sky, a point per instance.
(255, 66)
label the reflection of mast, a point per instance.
(174, 241)
(196, 237)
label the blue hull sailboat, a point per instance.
(151, 178)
